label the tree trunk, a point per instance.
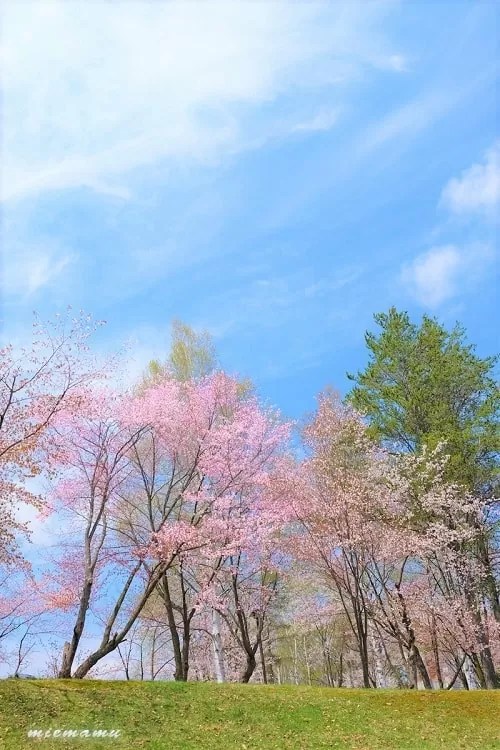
(327, 663)
(85, 667)
(490, 581)
(218, 649)
(488, 667)
(378, 652)
(270, 657)
(71, 647)
(459, 673)
(484, 664)
(362, 640)
(172, 626)
(435, 651)
(180, 649)
(422, 669)
(111, 642)
(415, 660)
(470, 672)
(250, 668)
(186, 641)
(263, 662)
(365, 667)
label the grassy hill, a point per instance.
(206, 716)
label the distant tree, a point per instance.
(192, 356)
(424, 385)
(192, 353)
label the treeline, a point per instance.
(193, 536)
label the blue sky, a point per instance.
(273, 172)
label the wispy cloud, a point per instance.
(274, 301)
(323, 120)
(409, 120)
(27, 270)
(477, 190)
(93, 91)
(440, 273)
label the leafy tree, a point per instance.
(192, 356)
(424, 384)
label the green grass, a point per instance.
(206, 716)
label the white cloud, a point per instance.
(446, 270)
(25, 271)
(442, 272)
(321, 121)
(433, 275)
(478, 188)
(399, 63)
(408, 120)
(94, 90)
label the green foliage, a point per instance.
(189, 716)
(154, 370)
(423, 385)
(192, 354)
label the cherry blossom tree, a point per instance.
(37, 383)
(444, 522)
(393, 538)
(332, 503)
(150, 480)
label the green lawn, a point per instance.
(206, 716)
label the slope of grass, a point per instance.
(205, 716)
